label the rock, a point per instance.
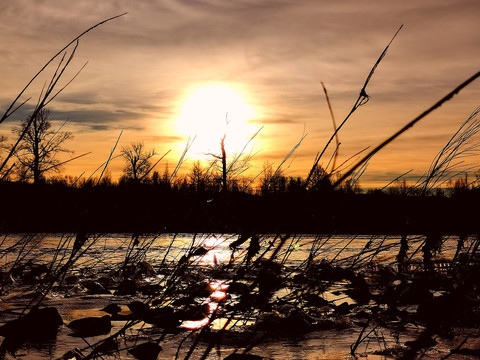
(253, 300)
(145, 269)
(385, 275)
(344, 308)
(163, 317)
(149, 289)
(38, 325)
(106, 347)
(138, 308)
(392, 316)
(37, 322)
(391, 352)
(106, 281)
(269, 279)
(195, 312)
(296, 321)
(270, 322)
(75, 354)
(315, 300)
(413, 293)
(326, 271)
(359, 290)
(94, 287)
(91, 326)
(447, 310)
(127, 287)
(30, 272)
(423, 342)
(238, 288)
(466, 352)
(185, 300)
(123, 317)
(243, 357)
(72, 279)
(146, 351)
(199, 290)
(112, 309)
(300, 279)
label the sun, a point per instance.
(211, 111)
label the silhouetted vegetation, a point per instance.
(196, 202)
(137, 162)
(38, 150)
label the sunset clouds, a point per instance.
(143, 65)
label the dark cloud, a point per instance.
(102, 119)
(92, 119)
(99, 127)
(21, 113)
(80, 98)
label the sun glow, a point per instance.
(211, 111)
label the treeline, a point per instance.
(189, 206)
(204, 179)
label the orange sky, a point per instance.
(272, 55)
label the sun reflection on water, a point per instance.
(218, 251)
(218, 293)
(195, 324)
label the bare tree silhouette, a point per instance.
(3, 146)
(239, 163)
(137, 161)
(37, 152)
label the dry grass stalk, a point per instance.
(435, 106)
(362, 99)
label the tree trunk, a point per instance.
(224, 165)
(36, 155)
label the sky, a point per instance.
(164, 71)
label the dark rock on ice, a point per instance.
(94, 287)
(244, 357)
(112, 309)
(37, 326)
(146, 351)
(91, 326)
(127, 287)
